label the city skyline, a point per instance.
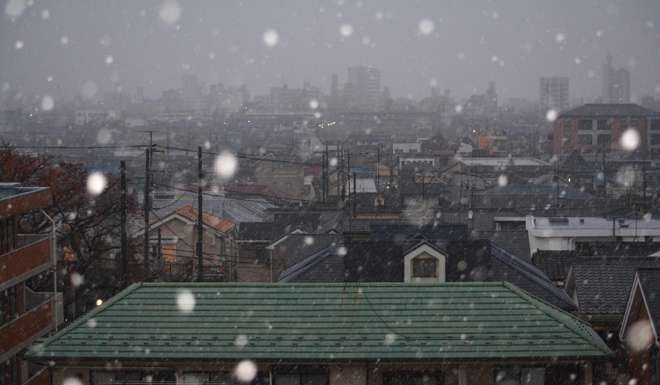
(415, 47)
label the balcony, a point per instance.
(41, 377)
(30, 257)
(36, 321)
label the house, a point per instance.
(173, 240)
(25, 314)
(600, 287)
(640, 328)
(575, 233)
(324, 334)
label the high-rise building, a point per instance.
(362, 89)
(616, 83)
(554, 93)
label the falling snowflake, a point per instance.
(76, 279)
(390, 338)
(270, 37)
(14, 8)
(245, 371)
(170, 11)
(19, 44)
(345, 30)
(630, 139)
(241, 341)
(47, 103)
(313, 104)
(96, 183)
(425, 27)
(225, 165)
(551, 115)
(185, 301)
(109, 60)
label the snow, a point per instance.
(185, 301)
(96, 183)
(630, 139)
(47, 103)
(225, 165)
(425, 27)
(270, 38)
(170, 11)
(245, 371)
(346, 30)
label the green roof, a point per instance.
(388, 321)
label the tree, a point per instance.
(88, 231)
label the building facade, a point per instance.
(25, 314)
(554, 93)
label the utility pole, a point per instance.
(200, 229)
(123, 234)
(147, 208)
(644, 184)
(378, 167)
(354, 193)
(326, 190)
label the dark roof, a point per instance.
(649, 280)
(326, 265)
(404, 231)
(554, 263)
(608, 110)
(11, 190)
(557, 263)
(576, 164)
(602, 284)
(297, 247)
(481, 260)
(256, 231)
(293, 322)
(545, 190)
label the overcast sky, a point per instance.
(456, 44)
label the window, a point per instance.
(585, 124)
(424, 267)
(655, 139)
(412, 378)
(604, 140)
(601, 125)
(516, 375)
(655, 124)
(585, 139)
(320, 378)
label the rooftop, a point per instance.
(501, 162)
(387, 321)
(608, 110)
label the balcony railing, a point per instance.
(30, 257)
(41, 377)
(28, 326)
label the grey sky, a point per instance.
(513, 42)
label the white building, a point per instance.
(564, 233)
(554, 93)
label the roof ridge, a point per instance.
(129, 289)
(545, 307)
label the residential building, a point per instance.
(173, 239)
(601, 287)
(616, 83)
(575, 233)
(554, 93)
(640, 328)
(25, 314)
(325, 334)
(593, 128)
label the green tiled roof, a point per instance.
(389, 321)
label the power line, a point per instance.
(240, 156)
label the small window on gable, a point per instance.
(425, 267)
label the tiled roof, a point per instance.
(649, 279)
(389, 321)
(609, 110)
(220, 224)
(602, 284)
